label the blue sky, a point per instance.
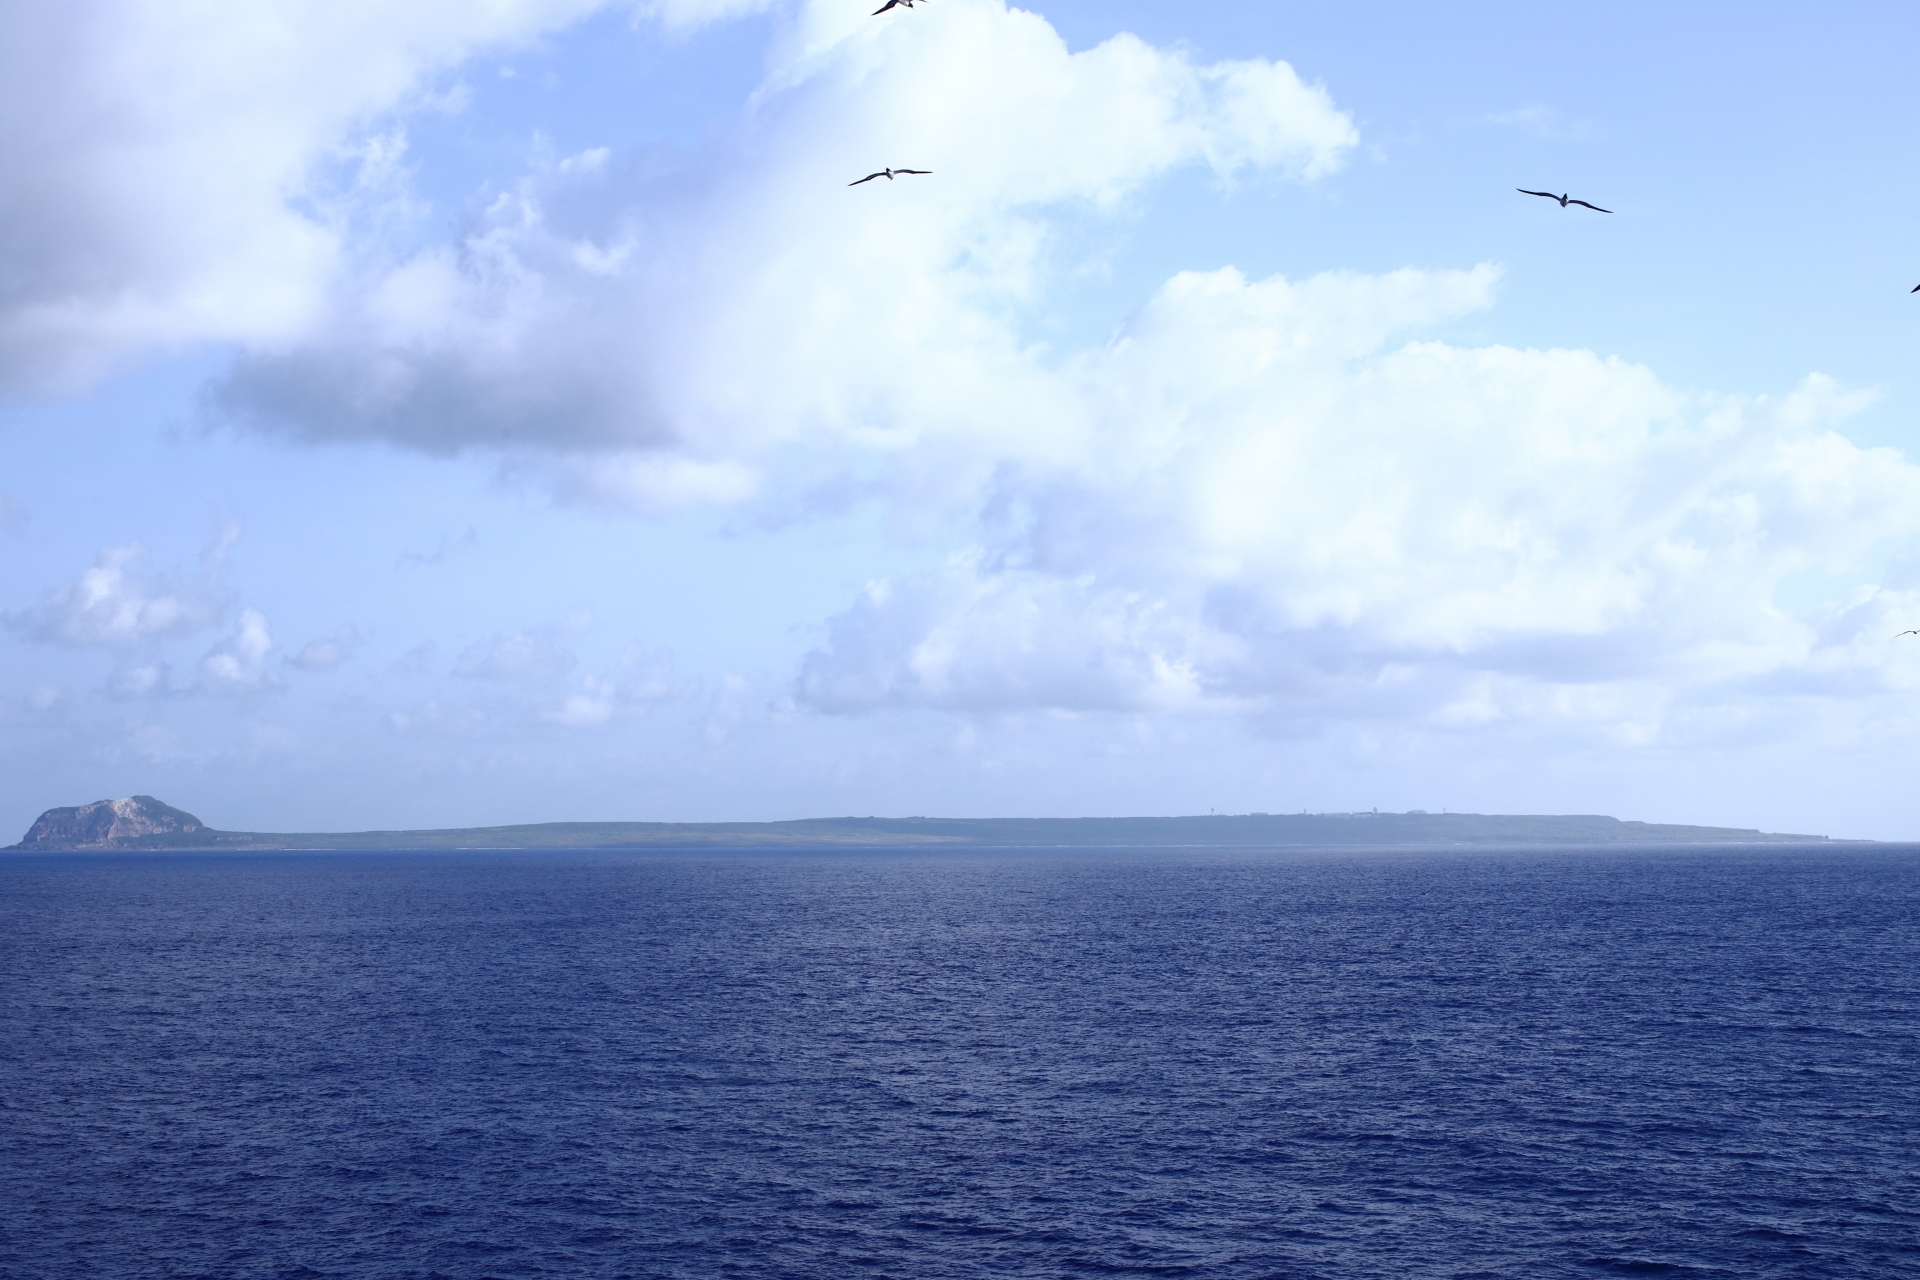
(438, 414)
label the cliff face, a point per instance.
(108, 824)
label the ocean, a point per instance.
(1650, 1062)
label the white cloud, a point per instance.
(168, 162)
(654, 337)
(147, 678)
(638, 481)
(1273, 499)
(541, 654)
(327, 652)
(120, 601)
(535, 667)
(183, 173)
(973, 638)
(237, 666)
(1259, 499)
(642, 679)
(1287, 516)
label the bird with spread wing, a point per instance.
(887, 174)
(1564, 200)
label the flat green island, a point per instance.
(141, 822)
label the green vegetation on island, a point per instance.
(141, 822)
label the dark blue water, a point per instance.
(591, 1065)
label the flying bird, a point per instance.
(906, 4)
(886, 173)
(1909, 633)
(1564, 200)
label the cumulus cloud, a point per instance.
(979, 638)
(145, 678)
(1291, 516)
(237, 666)
(651, 333)
(327, 652)
(643, 678)
(174, 170)
(1269, 498)
(122, 601)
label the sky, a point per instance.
(444, 414)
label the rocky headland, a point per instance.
(109, 824)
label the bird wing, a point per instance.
(1909, 633)
(1584, 205)
(1548, 194)
(869, 178)
(913, 171)
(1915, 289)
(883, 8)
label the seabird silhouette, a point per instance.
(887, 174)
(1564, 200)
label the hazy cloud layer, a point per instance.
(643, 678)
(140, 678)
(683, 15)
(529, 684)
(327, 652)
(541, 654)
(122, 601)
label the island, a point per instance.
(143, 823)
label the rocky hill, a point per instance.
(109, 824)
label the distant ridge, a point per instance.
(148, 824)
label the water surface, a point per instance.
(1652, 1062)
